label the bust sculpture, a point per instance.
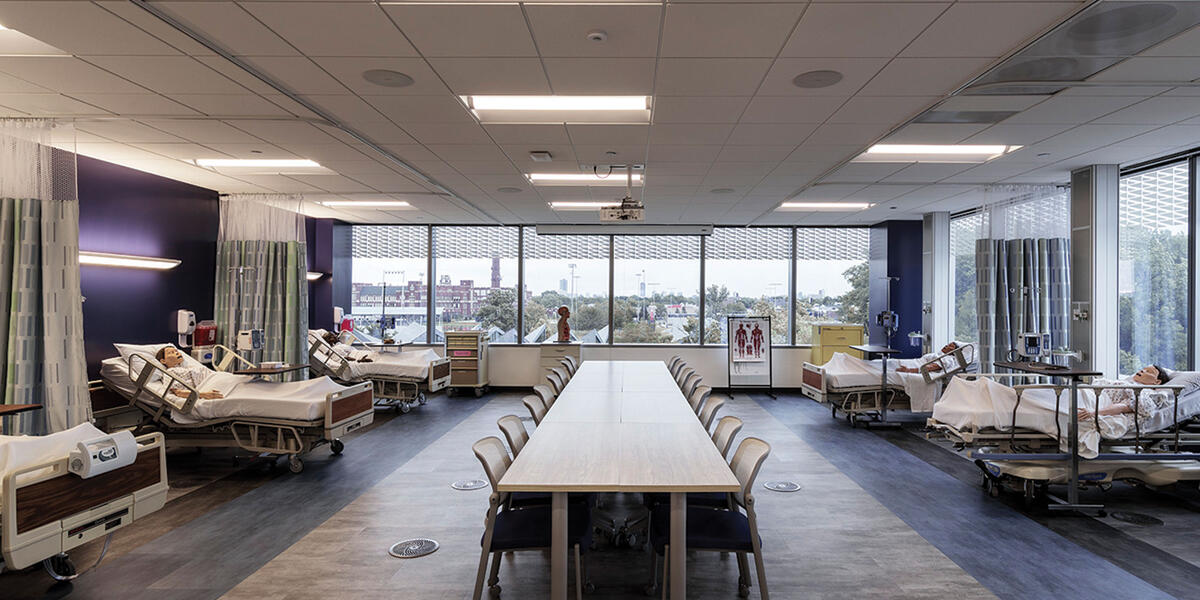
(564, 328)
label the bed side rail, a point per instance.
(149, 368)
(961, 364)
(333, 363)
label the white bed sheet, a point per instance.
(845, 371)
(412, 364)
(244, 397)
(987, 404)
(20, 451)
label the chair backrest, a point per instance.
(722, 436)
(514, 432)
(671, 362)
(745, 464)
(567, 365)
(494, 456)
(709, 412)
(574, 363)
(677, 367)
(698, 397)
(556, 382)
(536, 409)
(690, 384)
(546, 394)
(562, 374)
(683, 375)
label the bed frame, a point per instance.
(397, 393)
(345, 411)
(47, 515)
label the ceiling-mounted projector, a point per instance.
(630, 210)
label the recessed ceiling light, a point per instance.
(387, 78)
(934, 153)
(824, 206)
(614, 178)
(817, 79)
(257, 162)
(367, 203)
(721, 191)
(559, 109)
(584, 205)
(509, 190)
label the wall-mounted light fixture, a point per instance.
(106, 259)
(314, 275)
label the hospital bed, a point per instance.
(50, 505)
(858, 391)
(1016, 434)
(399, 379)
(282, 419)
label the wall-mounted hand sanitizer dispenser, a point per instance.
(183, 322)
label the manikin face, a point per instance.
(1147, 376)
(948, 348)
(172, 358)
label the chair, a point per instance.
(722, 436)
(671, 362)
(677, 368)
(698, 397)
(556, 382)
(546, 394)
(690, 383)
(683, 375)
(710, 530)
(568, 366)
(562, 374)
(709, 412)
(524, 529)
(574, 364)
(514, 432)
(537, 410)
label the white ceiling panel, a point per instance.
(47, 105)
(1184, 44)
(284, 132)
(328, 152)
(926, 172)
(920, 76)
(992, 171)
(864, 172)
(298, 74)
(202, 132)
(846, 133)
(601, 76)
(1160, 111)
(881, 109)
(488, 30)
(333, 183)
(934, 133)
(242, 150)
(528, 134)
(758, 153)
(780, 134)
(1016, 134)
(686, 109)
(620, 154)
(987, 29)
(708, 30)
(231, 27)
(710, 76)
(66, 75)
(832, 191)
(492, 75)
(387, 182)
(471, 152)
(421, 109)
(150, 24)
(690, 133)
(13, 85)
(448, 133)
(135, 104)
(127, 131)
(1071, 110)
(757, 169)
(232, 105)
(788, 109)
(881, 192)
(561, 29)
(333, 28)
(856, 72)
(859, 29)
(169, 74)
(178, 151)
(621, 135)
(990, 102)
(1152, 69)
(80, 28)
(682, 153)
(349, 71)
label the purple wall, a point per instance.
(130, 212)
(319, 234)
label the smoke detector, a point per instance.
(597, 35)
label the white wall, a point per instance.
(520, 366)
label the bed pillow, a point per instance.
(151, 350)
(1190, 380)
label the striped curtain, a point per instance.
(41, 330)
(261, 267)
(1022, 285)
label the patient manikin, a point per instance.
(331, 338)
(931, 362)
(195, 376)
(1120, 402)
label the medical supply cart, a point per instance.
(467, 351)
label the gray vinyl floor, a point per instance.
(879, 515)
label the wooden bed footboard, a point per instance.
(348, 410)
(439, 374)
(53, 511)
(812, 382)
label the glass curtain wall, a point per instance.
(476, 270)
(831, 277)
(964, 230)
(571, 271)
(746, 273)
(389, 295)
(656, 288)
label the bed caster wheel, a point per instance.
(403, 408)
(743, 590)
(336, 446)
(295, 465)
(494, 591)
(421, 399)
(993, 489)
(478, 392)
(60, 567)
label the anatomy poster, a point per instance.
(749, 351)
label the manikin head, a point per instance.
(330, 337)
(169, 357)
(1150, 375)
(948, 348)
(563, 311)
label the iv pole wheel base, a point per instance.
(295, 465)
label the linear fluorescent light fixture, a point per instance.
(559, 109)
(935, 153)
(583, 205)
(367, 204)
(257, 163)
(615, 178)
(825, 206)
(106, 259)
(623, 229)
(313, 275)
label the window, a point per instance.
(656, 284)
(831, 277)
(746, 273)
(389, 295)
(1152, 276)
(571, 271)
(476, 269)
(964, 231)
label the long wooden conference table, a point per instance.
(620, 426)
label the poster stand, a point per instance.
(749, 354)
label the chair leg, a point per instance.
(483, 563)
(762, 576)
(653, 572)
(578, 575)
(494, 577)
(666, 569)
(743, 572)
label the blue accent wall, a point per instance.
(319, 234)
(127, 211)
(895, 251)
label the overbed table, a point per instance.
(620, 426)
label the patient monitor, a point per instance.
(1034, 345)
(250, 339)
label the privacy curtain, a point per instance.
(41, 330)
(261, 267)
(1023, 281)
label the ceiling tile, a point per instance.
(248, 105)
(528, 134)
(680, 153)
(1016, 134)
(1151, 69)
(789, 109)
(231, 27)
(473, 152)
(846, 134)
(134, 104)
(202, 132)
(933, 133)
(47, 105)
(690, 133)
(284, 132)
(1184, 44)
(690, 109)
(561, 29)
(298, 74)
(855, 73)
(710, 76)
(1071, 109)
(1161, 111)
(881, 109)
(127, 131)
(448, 133)
(66, 75)
(349, 71)
(600, 154)
(856, 172)
(421, 109)
(860, 29)
(620, 135)
(333, 28)
(759, 153)
(492, 75)
(749, 134)
(927, 173)
(923, 76)
(727, 30)
(169, 74)
(80, 28)
(987, 29)
(484, 30)
(601, 76)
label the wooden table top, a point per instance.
(12, 409)
(620, 426)
(871, 349)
